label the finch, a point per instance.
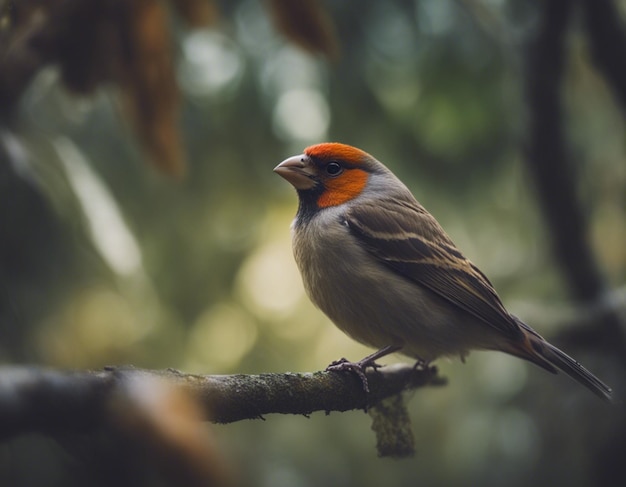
(387, 274)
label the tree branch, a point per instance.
(554, 174)
(229, 398)
(54, 402)
(607, 40)
(548, 158)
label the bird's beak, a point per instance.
(298, 170)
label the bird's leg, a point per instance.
(359, 367)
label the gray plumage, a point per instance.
(386, 273)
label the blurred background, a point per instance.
(141, 222)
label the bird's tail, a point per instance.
(538, 351)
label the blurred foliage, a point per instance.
(103, 260)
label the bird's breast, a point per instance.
(370, 302)
(359, 294)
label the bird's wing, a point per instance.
(405, 237)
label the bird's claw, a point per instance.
(334, 363)
(358, 368)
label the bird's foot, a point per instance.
(358, 368)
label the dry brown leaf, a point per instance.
(307, 24)
(197, 13)
(148, 84)
(121, 42)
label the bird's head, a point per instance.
(329, 174)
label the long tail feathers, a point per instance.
(576, 371)
(538, 351)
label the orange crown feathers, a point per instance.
(335, 150)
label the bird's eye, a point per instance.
(334, 169)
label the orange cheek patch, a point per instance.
(347, 186)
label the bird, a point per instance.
(385, 272)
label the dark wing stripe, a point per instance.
(454, 252)
(405, 249)
(438, 266)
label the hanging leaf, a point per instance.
(119, 42)
(307, 24)
(197, 13)
(145, 75)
